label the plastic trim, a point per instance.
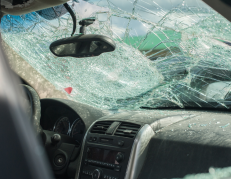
(139, 152)
(82, 149)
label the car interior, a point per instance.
(67, 139)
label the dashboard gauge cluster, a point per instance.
(62, 125)
(75, 129)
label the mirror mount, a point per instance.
(84, 23)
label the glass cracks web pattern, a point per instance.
(167, 54)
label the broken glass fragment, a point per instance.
(218, 173)
(224, 126)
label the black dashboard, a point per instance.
(67, 117)
(142, 144)
(63, 120)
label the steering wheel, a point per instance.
(61, 149)
(35, 107)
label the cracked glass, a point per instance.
(168, 53)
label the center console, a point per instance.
(110, 149)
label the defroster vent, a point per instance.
(101, 127)
(127, 130)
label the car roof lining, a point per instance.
(33, 6)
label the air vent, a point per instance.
(127, 130)
(101, 127)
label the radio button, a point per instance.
(117, 168)
(119, 157)
(120, 143)
(96, 174)
(86, 162)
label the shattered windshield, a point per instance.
(168, 53)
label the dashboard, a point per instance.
(61, 116)
(141, 144)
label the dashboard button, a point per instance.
(117, 168)
(120, 143)
(90, 139)
(96, 174)
(119, 157)
(94, 139)
(86, 162)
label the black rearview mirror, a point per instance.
(86, 45)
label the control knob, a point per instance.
(119, 157)
(97, 173)
(55, 139)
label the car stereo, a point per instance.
(104, 161)
(103, 156)
(109, 151)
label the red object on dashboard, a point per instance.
(68, 90)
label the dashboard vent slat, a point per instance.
(101, 127)
(127, 129)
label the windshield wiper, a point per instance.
(193, 106)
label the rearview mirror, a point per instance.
(86, 45)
